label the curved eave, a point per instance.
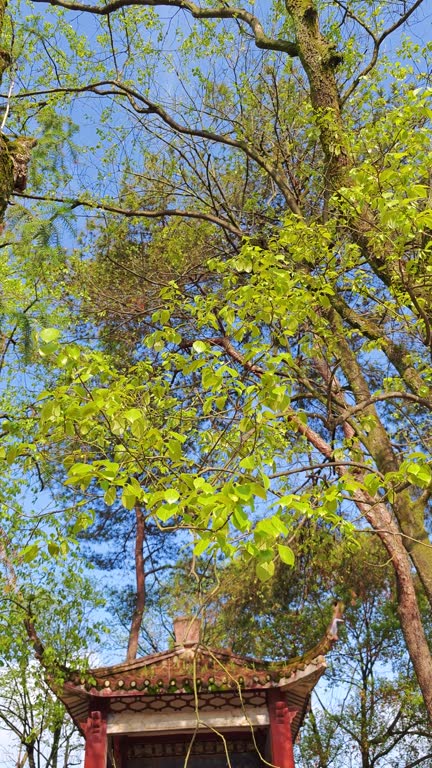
(297, 682)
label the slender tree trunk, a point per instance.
(53, 758)
(6, 162)
(411, 518)
(385, 525)
(409, 513)
(320, 748)
(21, 759)
(30, 755)
(364, 741)
(140, 586)
(410, 618)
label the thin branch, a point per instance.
(8, 101)
(116, 88)
(398, 395)
(377, 45)
(223, 12)
(420, 760)
(139, 212)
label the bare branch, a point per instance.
(360, 406)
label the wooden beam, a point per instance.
(229, 718)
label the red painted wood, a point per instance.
(117, 752)
(281, 742)
(96, 741)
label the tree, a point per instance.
(292, 364)
(42, 732)
(49, 623)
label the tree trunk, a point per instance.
(14, 155)
(6, 163)
(410, 618)
(53, 757)
(319, 60)
(140, 586)
(30, 755)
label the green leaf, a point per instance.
(199, 346)
(419, 474)
(110, 495)
(164, 513)
(240, 519)
(265, 570)
(109, 470)
(248, 462)
(201, 546)
(286, 554)
(139, 428)
(259, 491)
(132, 415)
(80, 469)
(82, 522)
(372, 482)
(49, 334)
(53, 548)
(210, 379)
(128, 497)
(29, 553)
(171, 495)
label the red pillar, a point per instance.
(280, 729)
(96, 741)
(117, 751)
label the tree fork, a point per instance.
(383, 523)
(410, 514)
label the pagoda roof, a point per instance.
(186, 670)
(191, 668)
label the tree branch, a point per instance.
(116, 88)
(223, 12)
(377, 45)
(139, 212)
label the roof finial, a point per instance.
(187, 631)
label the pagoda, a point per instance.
(194, 706)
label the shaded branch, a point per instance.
(419, 761)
